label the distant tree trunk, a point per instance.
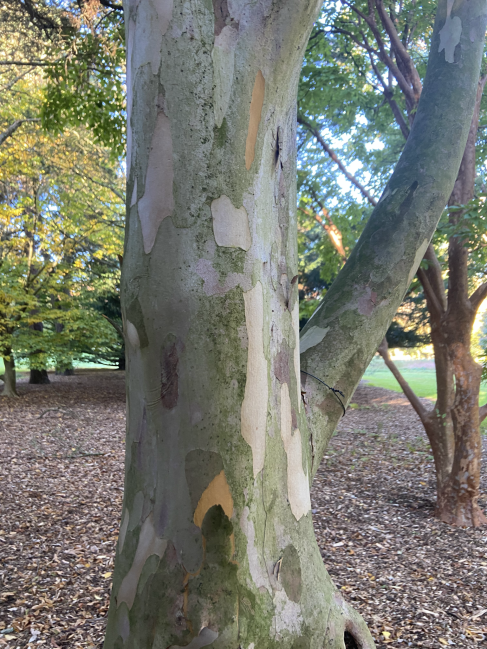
(9, 377)
(38, 376)
(453, 425)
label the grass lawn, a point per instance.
(419, 374)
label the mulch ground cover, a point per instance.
(417, 582)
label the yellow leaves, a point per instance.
(443, 641)
(107, 575)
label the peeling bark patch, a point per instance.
(148, 545)
(367, 302)
(133, 200)
(223, 56)
(158, 201)
(255, 114)
(132, 334)
(123, 529)
(287, 617)
(290, 574)
(211, 277)
(230, 225)
(254, 405)
(169, 377)
(217, 493)
(297, 361)
(222, 15)
(201, 467)
(281, 364)
(297, 479)
(136, 333)
(258, 574)
(311, 338)
(205, 637)
(450, 34)
(417, 260)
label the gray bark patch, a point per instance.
(281, 363)
(201, 468)
(169, 377)
(290, 575)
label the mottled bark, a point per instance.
(216, 543)
(340, 339)
(9, 376)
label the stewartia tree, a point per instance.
(216, 542)
(383, 49)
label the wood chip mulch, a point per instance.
(417, 582)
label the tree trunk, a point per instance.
(216, 543)
(9, 377)
(38, 377)
(457, 500)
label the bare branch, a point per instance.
(478, 296)
(421, 411)
(315, 132)
(115, 326)
(13, 127)
(400, 49)
(482, 413)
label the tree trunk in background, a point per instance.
(216, 543)
(457, 500)
(9, 377)
(38, 376)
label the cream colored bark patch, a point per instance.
(417, 260)
(223, 56)
(297, 361)
(230, 225)
(312, 337)
(254, 405)
(216, 493)
(450, 34)
(205, 637)
(255, 114)
(149, 544)
(297, 479)
(132, 334)
(257, 572)
(158, 200)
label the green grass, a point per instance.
(421, 380)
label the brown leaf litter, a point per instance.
(417, 582)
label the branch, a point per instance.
(482, 413)
(400, 49)
(434, 305)
(315, 132)
(421, 411)
(114, 325)
(31, 63)
(478, 296)
(13, 127)
(110, 5)
(388, 94)
(341, 338)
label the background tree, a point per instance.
(382, 49)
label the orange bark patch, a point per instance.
(255, 114)
(216, 493)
